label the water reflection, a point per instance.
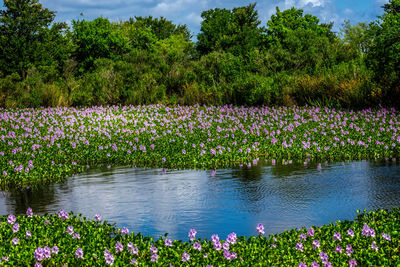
(153, 202)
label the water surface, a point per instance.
(154, 202)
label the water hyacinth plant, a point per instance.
(372, 239)
(49, 144)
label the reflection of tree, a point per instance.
(37, 198)
(383, 185)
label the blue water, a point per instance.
(279, 196)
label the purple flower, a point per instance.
(225, 246)
(260, 229)
(352, 263)
(70, 230)
(46, 222)
(79, 253)
(349, 250)
(314, 264)
(15, 241)
(217, 246)
(367, 231)
(132, 249)
(350, 232)
(15, 227)
(39, 254)
(214, 238)
(29, 212)
(124, 231)
(192, 234)
(302, 264)
(153, 249)
(76, 235)
(154, 258)
(227, 255)
(323, 257)
(63, 214)
(134, 262)
(185, 256)
(54, 250)
(108, 257)
(386, 237)
(168, 242)
(303, 237)
(11, 219)
(197, 246)
(38, 264)
(316, 244)
(118, 247)
(232, 238)
(337, 236)
(328, 264)
(338, 249)
(46, 252)
(97, 217)
(299, 246)
(374, 246)
(28, 234)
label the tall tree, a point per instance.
(384, 54)
(161, 27)
(95, 39)
(356, 37)
(24, 31)
(299, 42)
(235, 31)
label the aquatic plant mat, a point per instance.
(372, 239)
(46, 145)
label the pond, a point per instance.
(157, 201)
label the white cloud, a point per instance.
(194, 18)
(168, 7)
(348, 11)
(314, 3)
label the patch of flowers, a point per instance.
(49, 144)
(372, 239)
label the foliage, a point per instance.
(299, 43)
(68, 239)
(384, 54)
(233, 31)
(97, 39)
(49, 144)
(26, 38)
(161, 27)
(294, 60)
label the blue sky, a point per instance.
(188, 11)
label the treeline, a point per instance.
(293, 59)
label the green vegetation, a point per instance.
(292, 60)
(50, 240)
(39, 145)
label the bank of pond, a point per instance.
(372, 239)
(50, 144)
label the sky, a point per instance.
(189, 11)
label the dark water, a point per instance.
(231, 200)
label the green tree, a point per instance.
(26, 38)
(356, 37)
(297, 42)
(95, 39)
(161, 27)
(235, 31)
(384, 54)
